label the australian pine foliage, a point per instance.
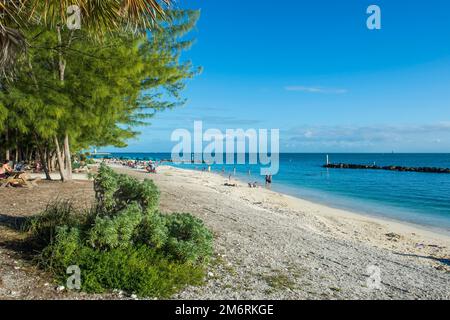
(111, 84)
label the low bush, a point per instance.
(110, 232)
(135, 269)
(124, 242)
(44, 227)
(152, 231)
(115, 191)
(188, 240)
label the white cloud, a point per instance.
(376, 136)
(316, 90)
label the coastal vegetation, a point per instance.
(68, 90)
(64, 90)
(123, 242)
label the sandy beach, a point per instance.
(267, 245)
(271, 245)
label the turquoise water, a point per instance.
(420, 198)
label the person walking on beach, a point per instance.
(268, 180)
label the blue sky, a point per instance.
(314, 70)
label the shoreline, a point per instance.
(354, 211)
(325, 207)
(275, 246)
(336, 211)
(267, 245)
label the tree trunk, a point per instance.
(7, 154)
(41, 155)
(17, 151)
(68, 157)
(61, 62)
(52, 162)
(48, 156)
(60, 161)
(62, 67)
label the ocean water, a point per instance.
(419, 198)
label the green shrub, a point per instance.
(62, 251)
(123, 242)
(116, 231)
(189, 239)
(90, 161)
(43, 228)
(115, 191)
(105, 186)
(139, 270)
(152, 231)
(130, 190)
(76, 165)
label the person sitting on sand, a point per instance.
(19, 166)
(5, 169)
(151, 168)
(37, 167)
(227, 184)
(253, 185)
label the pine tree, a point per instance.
(109, 87)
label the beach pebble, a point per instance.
(118, 292)
(60, 288)
(133, 296)
(210, 274)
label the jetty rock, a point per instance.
(389, 168)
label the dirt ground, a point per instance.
(19, 277)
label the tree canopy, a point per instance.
(108, 87)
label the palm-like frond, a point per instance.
(12, 41)
(97, 15)
(102, 14)
(12, 44)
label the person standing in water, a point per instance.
(268, 180)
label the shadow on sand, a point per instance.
(18, 243)
(445, 261)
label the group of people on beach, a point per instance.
(8, 167)
(267, 178)
(149, 166)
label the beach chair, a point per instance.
(18, 179)
(4, 182)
